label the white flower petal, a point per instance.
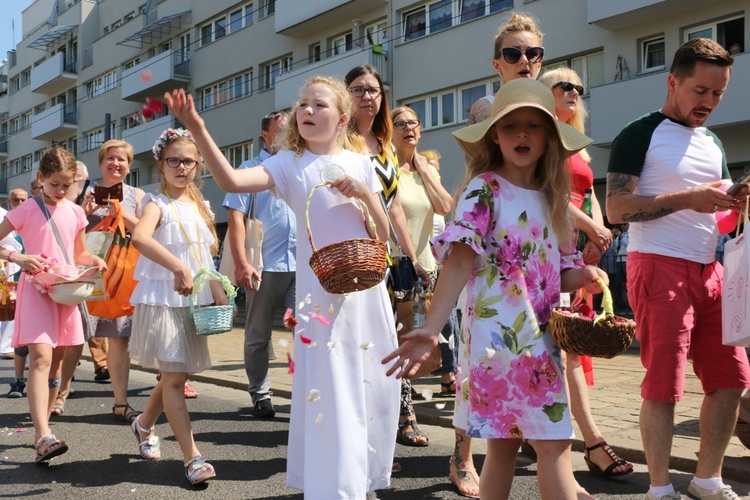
(313, 395)
(440, 406)
(319, 418)
(372, 450)
(367, 383)
(490, 352)
(427, 394)
(331, 343)
(442, 339)
(283, 343)
(366, 345)
(304, 318)
(307, 299)
(399, 327)
(452, 342)
(300, 305)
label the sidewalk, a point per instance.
(615, 401)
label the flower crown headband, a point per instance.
(169, 135)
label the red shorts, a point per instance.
(677, 306)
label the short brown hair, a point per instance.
(57, 160)
(116, 143)
(695, 50)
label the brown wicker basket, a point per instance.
(606, 338)
(349, 265)
(7, 300)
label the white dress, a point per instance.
(344, 408)
(163, 334)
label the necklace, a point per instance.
(197, 256)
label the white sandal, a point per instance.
(149, 447)
(198, 470)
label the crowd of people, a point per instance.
(495, 269)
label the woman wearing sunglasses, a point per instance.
(567, 88)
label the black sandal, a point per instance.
(608, 472)
(448, 389)
(128, 413)
(410, 438)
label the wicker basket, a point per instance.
(349, 265)
(8, 300)
(606, 336)
(210, 320)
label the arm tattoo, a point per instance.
(620, 184)
(642, 216)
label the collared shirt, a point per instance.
(279, 224)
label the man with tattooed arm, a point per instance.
(667, 177)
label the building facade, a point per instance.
(84, 68)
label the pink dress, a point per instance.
(38, 319)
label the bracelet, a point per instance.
(10, 254)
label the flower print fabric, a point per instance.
(514, 385)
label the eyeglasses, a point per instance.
(173, 162)
(401, 125)
(360, 91)
(569, 87)
(513, 54)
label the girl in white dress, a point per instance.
(344, 408)
(176, 239)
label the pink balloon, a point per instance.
(147, 112)
(146, 75)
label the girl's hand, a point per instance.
(591, 274)
(99, 263)
(422, 274)
(183, 281)
(591, 253)
(182, 106)
(30, 263)
(218, 293)
(416, 347)
(350, 187)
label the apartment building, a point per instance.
(83, 68)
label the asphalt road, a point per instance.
(249, 455)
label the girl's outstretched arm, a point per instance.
(418, 344)
(83, 256)
(249, 180)
(143, 239)
(583, 277)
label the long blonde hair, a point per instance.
(553, 179)
(293, 141)
(193, 191)
(578, 119)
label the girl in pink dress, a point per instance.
(43, 325)
(512, 246)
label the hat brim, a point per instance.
(470, 138)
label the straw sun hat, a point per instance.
(521, 93)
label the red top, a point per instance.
(581, 178)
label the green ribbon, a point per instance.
(211, 274)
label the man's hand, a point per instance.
(244, 275)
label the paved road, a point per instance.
(249, 455)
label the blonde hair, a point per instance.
(292, 140)
(552, 177)
(519, 22)
(116, 143)
(578, 120)
(192, 191)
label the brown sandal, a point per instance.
(616, 461)
(128, 413)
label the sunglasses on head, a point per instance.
(513, 54)
(569, 87)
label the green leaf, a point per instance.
(545, 231)
(523, 219)
(510, 339)
(555, 411)
(485, 312)
(520, 321)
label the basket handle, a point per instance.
(200, 279)
(607, 303)
(368, 219)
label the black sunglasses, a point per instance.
(513, 54)
(569, 87)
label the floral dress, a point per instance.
(514, 384)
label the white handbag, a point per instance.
(735, 320)
(253, 247)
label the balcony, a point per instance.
(143, 136)
(615, 105)
(155, 76)
(55, 123)
(618, 14)
(54, 75)
(299, 18)
(3, 148)
(288, 84)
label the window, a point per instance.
(133, 178)
(26, 120)
(652, 55)
(441, 15)
(268, 7)
(132, 62)
(377, 34)
(590, 68)
(274, 69)
(442, 108)
(314, 53)
(471, 9)
(129, 17)
(101, 84)
(16, 167)
(94, 139)
(226, 24)
(415, 25)
(15, 85)
(469, 96)
(15, 125)
(727, 32)
(130, 121)
(25, 78)
(26, 163)
(342, 44)
(106, 30)
(225, 91)
(238, 153)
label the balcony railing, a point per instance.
(53, 75)
(155, 76)
(55, 123)
(288, 84)
(618, 14)
(142, 136)
(298, 18)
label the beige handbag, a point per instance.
(253, 247)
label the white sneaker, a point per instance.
(669, 496)
(723, 493)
